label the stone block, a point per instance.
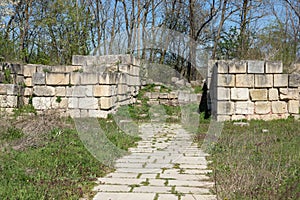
(106, 103)
(281, 80)
(273, 94)
(124, 68)
(123, 89)
(60, 68)
(3, 101)
(60, 91)
(245, 80)
(289, 94)
(84, 113)
(12, 89)
(238, 67)
(262, 81)
(17, 69)
(74, 78)
(89, 78)
(80, 91)
(78, 60)
(294, 80)
(43, 68)
(28, 92)
(223, 93)
(41, 103)
(29, 70)
(239, 93)
(72, 68)
(28, 82)
(98, 114)
(135, 71)
(226, 80)
(108, 78)
(223, 66)
(74, 113)
(225, 108)
(274, 67)
(259, 94)
(262, 107)
(12, 101)
(59, 103)
(293, 107)
(104, 90)
(244, 108)
(57, 79)
(256, 67)
(279, 107)
(46, 91)
(39, 78)
(73, 103)
(3, 89)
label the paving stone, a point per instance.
(112, 188)
(152, 189)
(193, 190)
(124, 196)
(190, 183)
(198, 197)
(167, 197)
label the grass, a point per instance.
(250, 164)
(59, 167)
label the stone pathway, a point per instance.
(165, 165)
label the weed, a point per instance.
(198, 89)
(24, 110)
(145, 183)
(166, 183)
(7, 77)
(46, 70)
(11, 133)
(139, 175)
(58, 99)
(78, 70)
(156, 196)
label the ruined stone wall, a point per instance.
(92, 86)
(251, 90)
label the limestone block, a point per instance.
(223, 118)
(239, 93)
(244, 108)
(293, 107)
(29, 70)
(262, 107)
(274, 67)
(78, 60)
(89, 78)
(223, 93)
(61, 68)
(273, 94)
(80, 91)
(72, 68)
(226, 80)
(28, 92)
(60, 91)
(245, 80)
(84, 114)
(173, 95)
(57, 79)
(3, 89)
(11, 89)
(39, 78)
(28, 82)
(238, 117)
(223, 66)
(135, 71)
(123, 89)
(225, 107)
(74, 113)
(106, 103)
(104, 90)
(108, 78)
(19, 79)
(75, 78)
(124, 68)
(238, 67)
(41, 103)
(279, 107)
(259, 94)
(46, 91)
(59, 103)
(256, 67)
(294, 80)
(3, 101)
(98, 113)
(12, 101)
(289, 94)
(281, 80)
(73, 102)
(163, 96)
(264, 80)
(122, 78)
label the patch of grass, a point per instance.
(251, 164)
(198, 89)
(145, 183)
(60, 168)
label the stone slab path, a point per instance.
(165, 165)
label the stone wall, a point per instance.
(92, 86)
(251, 90)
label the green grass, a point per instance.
(250, 164)
(59, 168)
